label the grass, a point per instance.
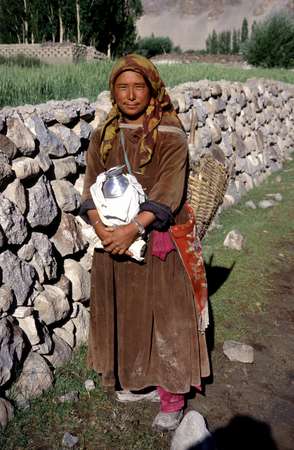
(33, 85)
(100, 422)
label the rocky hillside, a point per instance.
(188, 22)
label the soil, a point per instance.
(251, 406)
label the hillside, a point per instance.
(188, 22)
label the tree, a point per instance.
(208, 44)
(272, 43)
(154, 45)
(228, 39)
(214, 43)
(235, 44)
(244, 30)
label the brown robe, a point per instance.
(143, 327)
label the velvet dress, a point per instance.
(143, 320)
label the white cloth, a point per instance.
(120, 210)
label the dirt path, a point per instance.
(252, 406)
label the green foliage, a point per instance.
(272, 43)
(235, 43)
(109, 26)
(154, 45)
(244, 30)
(34, 85)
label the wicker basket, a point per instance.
(207, 185)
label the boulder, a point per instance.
(79, 183)
(28, 325)
(52, 305)
(61, 352)
(81, 322)
(44, 259)
(42, 206)
(192, 433)
(35, 378)
(12, 346)
(237, 351)
(20, 136)
(7, 147)
(15, 192)
(234, 240)
(49, 143)
(23, 311)
(12, 222)
(6, 172)
(67, 333)
(44, 161)
(250, 204)
(68, 238)
(80, 280)
(45, 345)
(69, 139)
(6, 299)
(18, 275)
(82, 129)
(264, 204)
(64, 167)
(67, 198)
(25, 167)
(6, 412)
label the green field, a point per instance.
(33, 85)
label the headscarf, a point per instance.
(160, 103)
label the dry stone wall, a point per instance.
(53, 53)
(46, 249)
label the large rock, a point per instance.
(48, 142)
(82, 129)
(44, 161)
(237, 351)
(28, 325)
(6, 172)
(68, 238)
(25, 167)
(43, 259)
(42, 206)
(81, 322)
(6, 299)
(62, 352)
(192, 433)
(12, 222)
(67, 198)
(6, 412)
(69, 139)
(234, 240)
(45, 345)
(67, 333)
(64, 167)
(11, 348)
(7, 147)
(80, 280)
(52, 305)
(20, 136)
(18, 275)
(15, 192)
(34, 379)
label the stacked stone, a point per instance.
(46, 249)
(251, 123)
(45, 252)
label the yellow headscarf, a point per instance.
(160, 103)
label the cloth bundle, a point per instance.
(120, 210)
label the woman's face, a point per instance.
(132, 95)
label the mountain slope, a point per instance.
(188, 22)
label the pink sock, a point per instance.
(170, 402)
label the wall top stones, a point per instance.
(53, 52)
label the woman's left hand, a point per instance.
(120, 239)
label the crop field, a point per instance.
(38, 84)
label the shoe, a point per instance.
(167, 421)
(128, 396)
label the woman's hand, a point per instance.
(119, 239)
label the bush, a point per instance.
(271, 43)
(151, 46)
(21, 60)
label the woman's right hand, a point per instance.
(102, 231)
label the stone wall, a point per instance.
(45, 248)
(53, 53)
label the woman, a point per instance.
(144, 328)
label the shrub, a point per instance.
(154, 45)
(271, 43)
